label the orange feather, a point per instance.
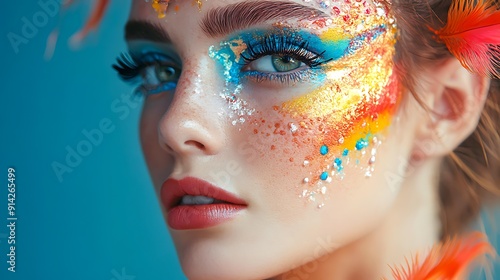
(472, 35)
(92, 22)
(448, 261)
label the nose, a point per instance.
(192, 125)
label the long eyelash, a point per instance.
(127, 67)
(284, 45)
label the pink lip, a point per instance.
(182, 217)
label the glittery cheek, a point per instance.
(227, 56)
(349, 114)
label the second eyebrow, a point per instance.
(224, 20)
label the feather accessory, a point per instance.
(447, 261)
(472, 35)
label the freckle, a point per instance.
(273, 147)
(269, 126)
(291, 159)
(267, 134)
(282, 132)
(276, 108)
(176, 8)
(263, 121)
(277, 125)
(255, 131)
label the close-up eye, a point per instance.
(152, 72)
(276, 63)
(281, 59)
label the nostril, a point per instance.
(195, 144)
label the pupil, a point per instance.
(286, 59)
(285, 63)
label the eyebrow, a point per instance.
(145, 30)
(225, 20)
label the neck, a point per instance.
(412, 226)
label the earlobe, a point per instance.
(455, 98)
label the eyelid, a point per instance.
(139, 48)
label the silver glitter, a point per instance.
(323, 190)
(372, 160)
(304, 193)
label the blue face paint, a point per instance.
(238, 57)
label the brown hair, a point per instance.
(471, 174)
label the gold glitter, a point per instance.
(237, 47)
(333, 34)
(198, 3)
(350, 93)
(160, 6)
(358, 95)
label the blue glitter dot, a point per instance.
(323, 176)
(338, 164)
(346, 152)
(361, 143)
(323, 150)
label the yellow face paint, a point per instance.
(357, 97)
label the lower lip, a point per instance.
(184, 217)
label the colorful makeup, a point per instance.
(348, 60)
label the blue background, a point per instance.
(102, 220)
(103, 217)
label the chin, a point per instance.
(210, 256)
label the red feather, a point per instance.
(447, 261)
(472, 35)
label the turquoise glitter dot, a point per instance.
(323, 150)
(346, 152)
(338, 164)
(323, 176)
(361, 143)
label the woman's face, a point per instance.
(292, 107)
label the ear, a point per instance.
(455, 99)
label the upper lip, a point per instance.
(173, 190)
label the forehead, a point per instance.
(143, 8)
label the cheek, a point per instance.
(159, 162)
